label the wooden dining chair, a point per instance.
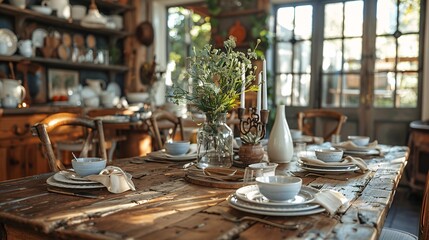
(163, 126)
(90, 126)
(331, 121)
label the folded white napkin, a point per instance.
(114, 178)
(331, 200)
(359, 162)
(349, 145)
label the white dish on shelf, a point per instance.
(88, 92)
(42, 9)
(114, 88)
(38, 37)
(9, 42)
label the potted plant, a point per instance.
(251, 150)
(218, 79)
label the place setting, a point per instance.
(174, 151)
(359, 146)
(278, 195)
(331, 161)
(91, 173)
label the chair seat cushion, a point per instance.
(396, 234)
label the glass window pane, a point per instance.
(284, 26)
(333, 20)
(409, 16)
(406, 95)
(384, 85)
(332, 55)
(352, 54)
(303, 22)
(386, 16)
(351, 90)
(284, 89)
(385, 53)
(331, 90)
(353, 21)
(301, 90)
(284, 57)
(302, 57)
(408, 52)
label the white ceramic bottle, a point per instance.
(280, 145)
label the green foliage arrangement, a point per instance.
(217, 78)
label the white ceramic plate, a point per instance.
(51, 181)
(9, 38)
(305, 196)
(114, 88)
(324, 170)
(72, 178)
(327, 166)
(284, 208)
(232, 201)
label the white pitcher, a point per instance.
(96, 84)
(13, 88)
(25, 48)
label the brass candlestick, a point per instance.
(255, 123)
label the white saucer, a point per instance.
(325, 170)
(51, 181)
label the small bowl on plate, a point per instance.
(88, 165)
(329, 155)
(279, 188)
(177, 147)
(359, 140)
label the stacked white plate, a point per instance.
(69, 179)
(162, 155)
(249, 199)
(318, 168)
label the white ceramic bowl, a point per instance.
(359, 140)
(177, 147)
(279, 188)
(88, 166)
(42, 9)
(329, 155)
(296, 134)
(137, 97)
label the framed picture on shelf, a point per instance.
(60, 82)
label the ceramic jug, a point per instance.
(280, 144)
(9, 102)
(13, 88)
(25, 48)
(61, 6)
(96, 84)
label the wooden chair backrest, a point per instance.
(163, 120)
(46, 126)
(424, 214)
(307, 119)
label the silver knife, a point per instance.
(77, 194)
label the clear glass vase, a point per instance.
(214, 142)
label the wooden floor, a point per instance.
(405, 211)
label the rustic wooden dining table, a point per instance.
(166, 206)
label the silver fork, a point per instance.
(232, 218)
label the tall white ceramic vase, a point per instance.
(280, 145)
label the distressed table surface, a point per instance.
(165, 206)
